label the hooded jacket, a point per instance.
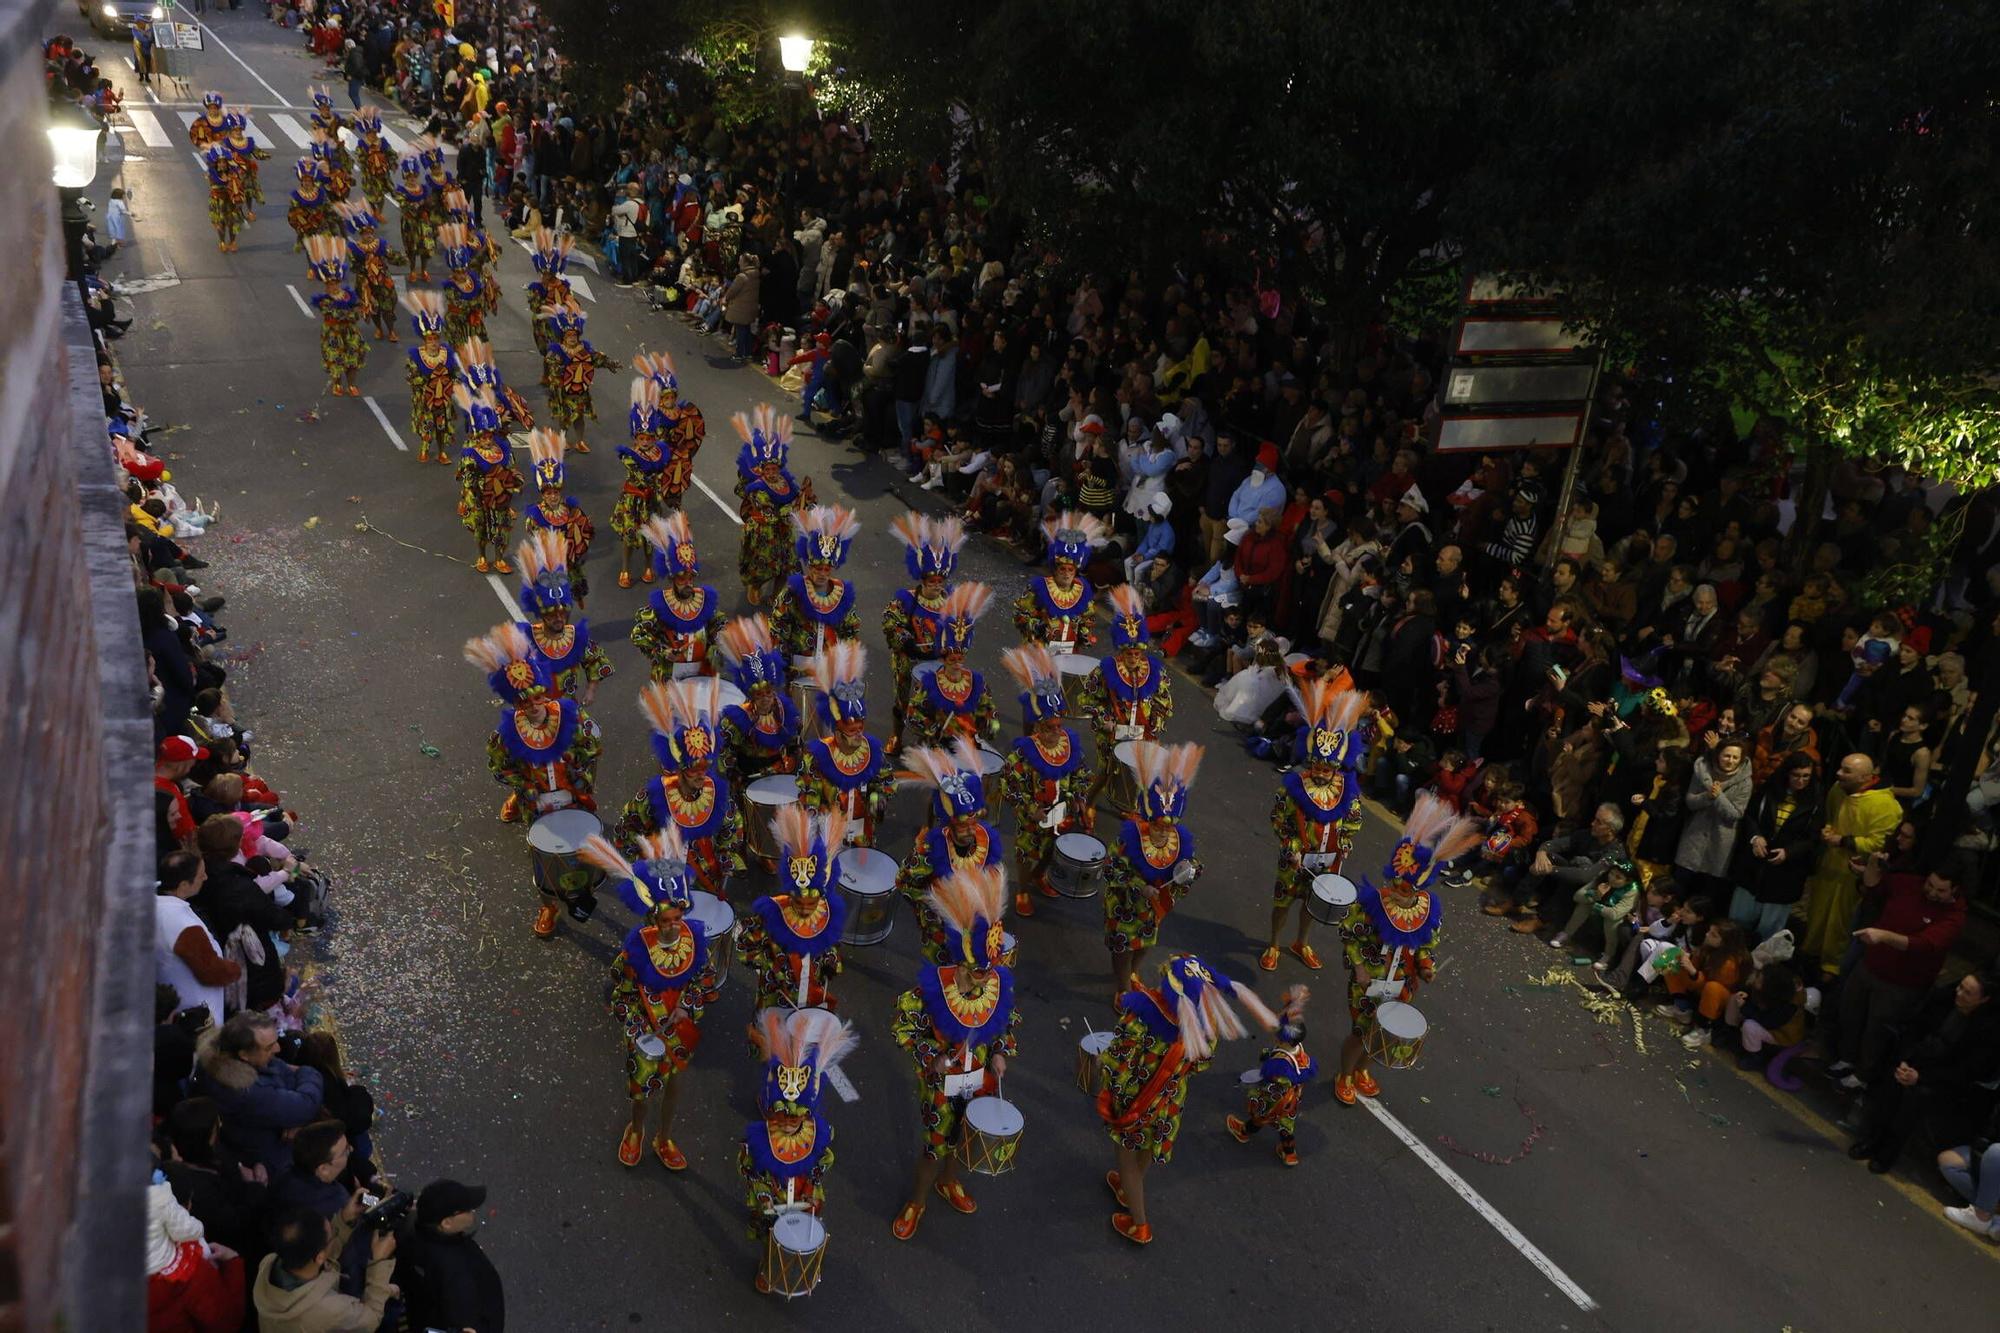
(317, 1306)
(257, 1105)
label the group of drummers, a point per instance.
(744, 777)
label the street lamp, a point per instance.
(794, 53)
(73, 134)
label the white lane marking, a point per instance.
(383, 419)
(576, 257)
(150, 93)
(506, 598)
(397, 145)
(293, 130)
(200, 162)
(304, 309)
(838, 1078)
(581, 287)
(230, 51)
(151, 132)
(1511, 1234)
(720, 503)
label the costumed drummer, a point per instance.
(1043, 776)
(761, 734)
(310, 211)
(556, 510)
(1282, 1077)
(912, 619)
(545, 749)
(561, 640)
(1391, 932)
(768, 492)
(844, 768)
(1128, 697)
(685, 428)
(662, 982)
(687, 794)
(1152, 864)
(958, 1026)
(487, 480)
(639, 495)
(815, 608)
(676, 627)
(957, 839)
(464, 293)
(789, 1149)
(952, 702)
(1055, 611)
(1164, 1035)
(1318, 810)
(433, 370)
(791, 938)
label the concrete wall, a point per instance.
(75, 743)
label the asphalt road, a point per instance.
(1663, 1189)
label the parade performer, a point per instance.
(545, 749)
(371, 257)
(688, 795)
(788, 1151)
(225, 194)
(464, 294)
(419, 231)
(487, 481)
(676, 628)
(1128, 697)
(842, 768)
(207, 129)
(1153, 863)
(640, 495)
(246, 154)
(815, 608)
(1055, 611)
(555, 510)
(1391, 932)
(911, 621)
(432, 370)
(341, 349)
(1286, 1071)
(552, 292)
(1318, 811)
(376, 159)
(436, 178)
(1044, 775)
(953, 700)
(477, 370)
(327, 155)
(958, 837)
(662, 982)
(761, 734)
(1164, 1036)
(767, 491)
(790, 939)
(576, 665)
(686, 428)
(568, 371)
(958, 1026)
(311, 210)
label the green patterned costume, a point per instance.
(916, 1032)
(1140, 1112)
(340, 346)
(1139, 895)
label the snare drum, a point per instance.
(553, 841)
(1125, 777)
(793, 1251)
(732, 694)
(804, 693)
(1090, 1051)
(990, 761)
(1075, 668)
(1397, 1035)
(922, 669)
(1250, 1077)
(765, 796)
(1076, 870)
(718, 923)
(992, 1133)
(1330, 898)
(867, 881)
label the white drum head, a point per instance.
(1080, 847)
(1095, 1043)
(778, 789)
(1401, 1021)
(732, 694)
(1127, 753)
(866, 871)
(990, 761)
(801, 1233)
(922, 669)
(1075, 664)
(991, 1115)
(563, 832)
(1251, 1076)
(1007, 942)
(1336, 889)
(717, 917)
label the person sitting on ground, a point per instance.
(1702, 980)
(1973, 1169)
(1770, 1011)
(1564, 864)
(261, 1097)
(1602, 907)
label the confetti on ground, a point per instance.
(312, 522)
(1535, 1131)
(1491, 1090)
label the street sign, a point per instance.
(1532, 335)
(1512, 384)
(188, 35)
(1489, 292)
(1491, 431)
(163, 37)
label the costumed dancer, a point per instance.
(953, 700)
(376, 159)
(576, 665)
(767, 491)
(1391, 932)
(842, 769)
(464, 294)
(568, 371)
(341, 349)
(325, 118)
(788, 1151)
(225, 194)
(487, 480)
(246, 153)
(790, 939)
(551, 292)
(1163, 1037)
(912, 619)
(1285, 1072)
(958, 1026)
(1152, 864)
(1128, 697)
(686, 428)
(545, 749)
(1318, 811)
(761, 734)
(207, 129)
(687, 795)
(815, 608)
(639, 495)
(676, 627)
(663, 980)
(1044, 775)
(956, 839)
(1055, 611)
(419, 230)
(555, 510)
(311, 210)
(477, 370)
(436, 178)
(339, 179)
(432, 369)
(371, 257)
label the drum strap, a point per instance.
(1163, 1074)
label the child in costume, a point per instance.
(341, 350)
(419, 231)
(575, 664)
(912, 620)
(1152, 864)
(545, 749)
(1318, 810)
(790, 940)
(686, 428)
(1044, 774)
(843, 768)
(639, 497)
(952, 701)
(958, 838)
(555, 510)
(311, 210)
(1128, 697)
(568, 370)
(688, 795)
(815, 608)
(371, 257)
(487, 480)
(1055, 611)
(787, 1153)
(676, 628)
(767, 491)
(761, 734)
(1286, 1070)
(433, 371)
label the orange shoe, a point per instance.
(393, 337)
(580, 447)
(624, 578)
(1288, 1154)
(1365, 1084)
(1117, 1187)
(1499, 907)
(761, 1283)
(954, 1194)
(670, 1157)
(545, 928)
(1024, 905)
(1268, 960)
(893, 745)
(1237, 1129)
(1343, 1089)
(1137, 1233)
(646, 574)
(629, 1145)
(480, 566)
(1046, 889)
(510, 810)
(445, 458)
(905, 1225)
(1304, 953)
(500, 566)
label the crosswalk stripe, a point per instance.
(151, 132)
(293, 130)
(397, 145)
(581, 286)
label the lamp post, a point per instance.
(795, 53)
(73, 137)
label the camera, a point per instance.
(291, 1045)
(387, 1214)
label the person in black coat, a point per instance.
(447, 1279)
(1777, 841)
(231, 898)
(1944, 1054)
(211, 1182)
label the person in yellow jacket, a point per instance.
(1860, 819)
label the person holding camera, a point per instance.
(451, 1283)
(298, 1285)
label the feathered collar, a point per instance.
(787, 730)
(582, 352)
(375, 251)
(446, 361)
(912, 604)
(549, 743)
(570, 515)
(938, 850)
(797, 1156)
(809, 607)
(1031, 754)
(1049, 599)
(1130, 843)
(657, 463)
(1288, 1065)
(404, 192)
(340, 301)
(1414, 928)
(488, 451)
(674, 621)
(756, 485)
(979, 1020)
(975, 690)
(667, 957)
(1123, 690)
(1312, 806)
(1150, 1007)
(579, 643)
(825, 765)
(716, 796)
(457, 286)
(829, 914)
(320, 200)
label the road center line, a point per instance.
(230, 51)
(506, 598)
(720, 503)
(304, 309)
(381, 417)
(1508, 1231)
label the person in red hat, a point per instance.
(173, 759)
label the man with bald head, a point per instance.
(1861, 818)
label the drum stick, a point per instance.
(805, 979)
(1395, 961)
